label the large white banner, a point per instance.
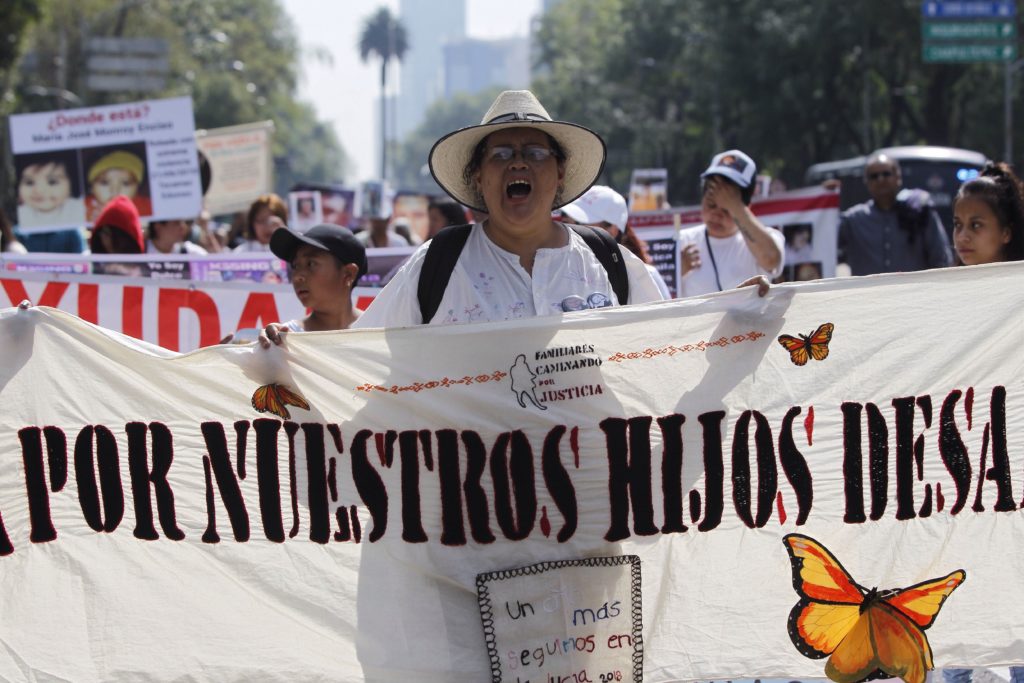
(711, 488)
(70, 163)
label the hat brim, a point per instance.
(584, 148)
(285, 242)
(727, 172)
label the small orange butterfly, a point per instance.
(815, 346)
(273, 398)
(865, 634)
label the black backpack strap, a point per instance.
(442, 254)
(606, 249)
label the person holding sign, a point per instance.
(732, 245)
(517, 166)
(118, 229)
(266, 215)
(171, 237)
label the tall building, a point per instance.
(473, 65)
(429, 25)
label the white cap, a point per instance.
(575, 213)
(602, 204)
(734, 165)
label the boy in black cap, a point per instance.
(326, 262)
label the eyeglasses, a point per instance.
(877, 175)
(530, 153)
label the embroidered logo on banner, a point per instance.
(560, 373)
(814, 346)
(569, 620)
(865, 634)
(274, 398)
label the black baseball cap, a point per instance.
(332, 238)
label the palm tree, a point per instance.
(383, 35)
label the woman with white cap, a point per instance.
(517, 166)
(602, 207)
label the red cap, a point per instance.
(122, 214)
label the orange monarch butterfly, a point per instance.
(815, 346)
(865, 634)
(273, 398)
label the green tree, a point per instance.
(237, 59)
(789, 81)
(383, 36)
(16, 18)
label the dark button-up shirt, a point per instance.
(871, 241)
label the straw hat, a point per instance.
(517, 109)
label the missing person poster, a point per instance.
(305, 209)
(70, 163)
(648, 189)
(241, 165)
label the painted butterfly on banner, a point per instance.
(803, 347)
(865, 634)
(274, 398)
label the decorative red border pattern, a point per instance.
(672, 349)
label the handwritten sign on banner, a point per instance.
(846, 452)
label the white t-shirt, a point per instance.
(179, 248)
(731, 255)
(659, 280)
(489, 284)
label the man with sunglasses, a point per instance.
(896, 230)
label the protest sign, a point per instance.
(70, 163)
(411, 208)
(702, 489)
(808, 218)
(241, 165)
(648, 189)
(178, 315)
(337, 203)
(305, 209)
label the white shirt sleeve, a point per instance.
(642, 287)
(780, 242)
(397, 305)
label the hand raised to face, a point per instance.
(724, 194)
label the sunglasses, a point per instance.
(879, 175)
(530, 153)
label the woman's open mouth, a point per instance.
(518, 189)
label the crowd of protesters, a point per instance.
(500, 173)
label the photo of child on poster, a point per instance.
(337, 206)
(116, 170)
(801, 264)
(648, 189)
(305, 210)
(49, 190)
